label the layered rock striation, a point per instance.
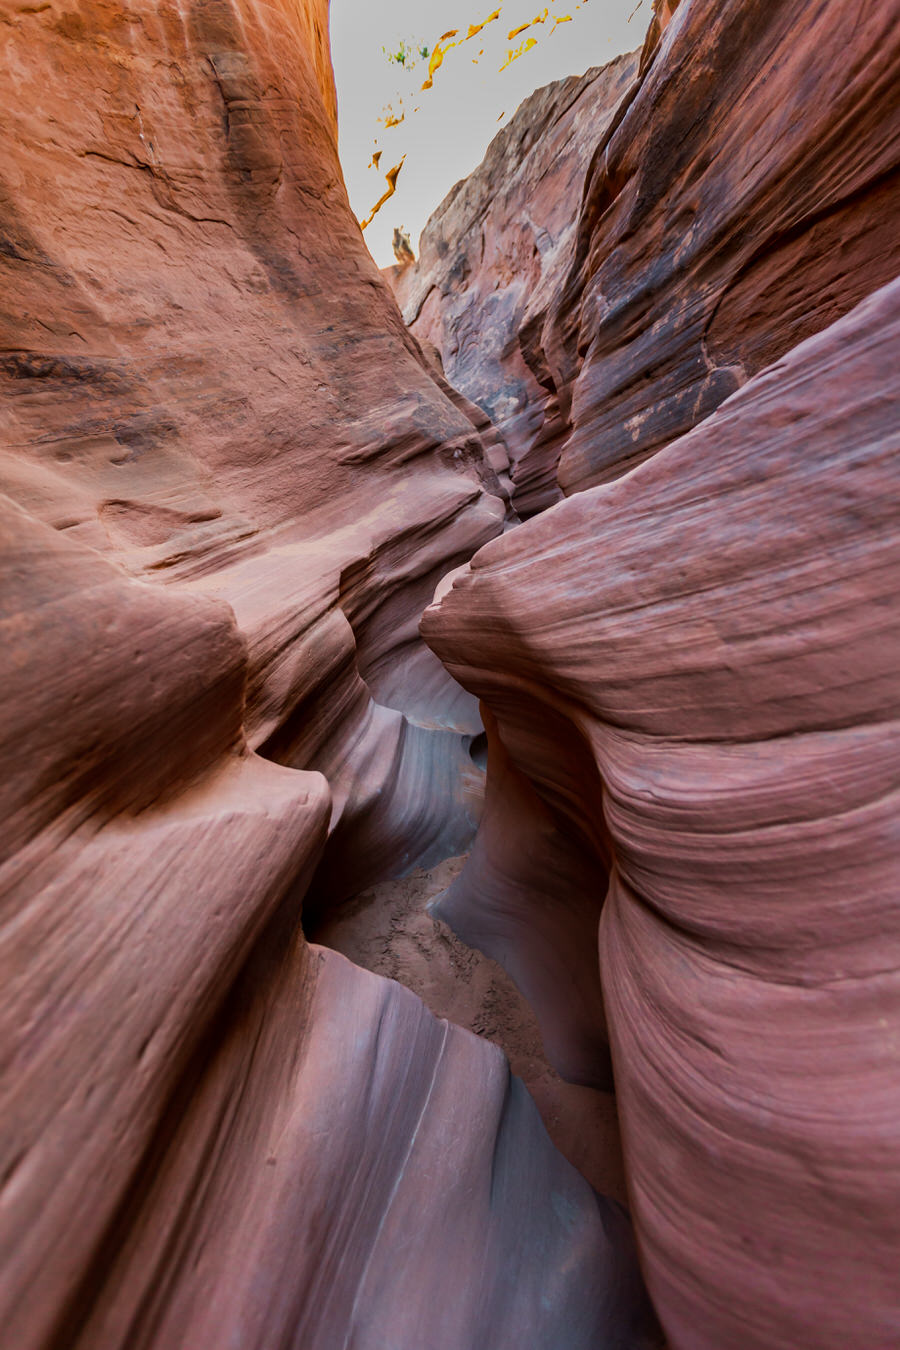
(691, 678)
(739, 196)
(688, 670)
(229, 482)
(210, 1129)
(743, 200)
(204, 380)
(492, 255)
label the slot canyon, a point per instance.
(450, 711)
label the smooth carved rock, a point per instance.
(211, 1130)
(389, 929)
(204, 379)
(145, 853)
(229, 481)
(498, 242)
(693, 678)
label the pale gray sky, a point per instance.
(447, 128)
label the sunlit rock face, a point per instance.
(205, 380)
(229, 485)
(490, 258)
(691, 675)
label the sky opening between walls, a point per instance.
(440, 133)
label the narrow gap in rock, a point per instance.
(388, 929)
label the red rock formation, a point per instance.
(743, 195)
(205, 381)
(745, 198)
(230, 482)
(693, 677)
(493, 252)
(211, 1130)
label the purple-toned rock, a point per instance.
(493, 252)
(229, 482)
(744, 197)
(204, 379)
(692, 676)
(638, 243)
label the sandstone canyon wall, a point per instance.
(740, 195)
(204, 381)
(689, 672)
(229, 485)
(494, 247)
(231, 481)
(710, 745)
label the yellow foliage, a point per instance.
(522, 48)
(437, 57)
(477, 27)
(391, 179)
(538, 18)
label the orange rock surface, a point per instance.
(229, 483)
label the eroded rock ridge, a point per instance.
(231, 480)
(688, 669)
(230, 483)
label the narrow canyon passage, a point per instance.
(389, 930)
(435, 695)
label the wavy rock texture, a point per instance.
(692, 676)
(211, 1130)
(205, 380)
(742, 196)
(491, 255)
(229, 485)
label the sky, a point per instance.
(446, 129)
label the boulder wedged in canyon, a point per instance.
(741, 196)
(490, 252)
(692, 672)
(229, 482)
